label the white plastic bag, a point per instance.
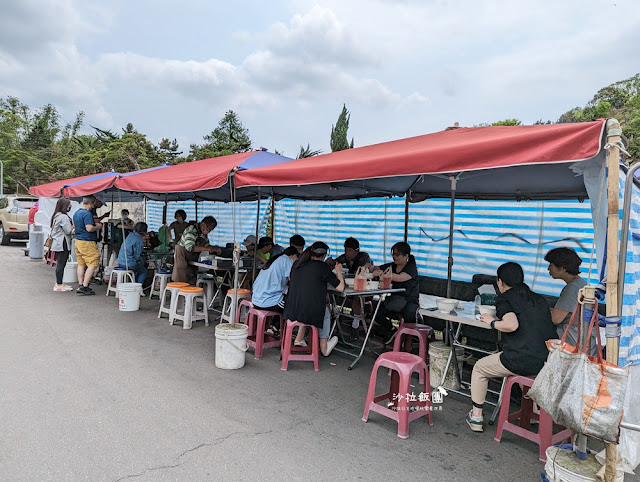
(629, 448)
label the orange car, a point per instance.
(14, 216)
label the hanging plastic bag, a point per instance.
(387, 276)
(360, 283)
(583, 393)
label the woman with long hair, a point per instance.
(404, 275)
(307, 296)
(272, 282)
(524, 319)
(61, 229)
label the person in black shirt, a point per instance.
(524, 319)
(404, 275)
(307, 297)
(353, 258)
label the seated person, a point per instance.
(263, 249)
(179, 225)
(307, 296)
(250, 244)
(296, 241)
(272, 283)
(525, 321)
(353, 258)
(564, 264)
(130, 256)
(404, 275)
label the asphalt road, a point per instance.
(91, 393)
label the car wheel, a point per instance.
(4, 238)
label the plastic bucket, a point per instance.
(129, 296)
(70, 272)
(438, 356)
(231, 345)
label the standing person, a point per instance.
(525, 321)
(194, 241)
(307, 296)
(564, 264)
(130, 256)
(404, 275)
(61, 229)
(86, 244)
(179, 225)
(272, 283)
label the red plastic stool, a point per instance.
(288, 347)
(424, 333)
(246, 303)
(402, 365)
(257, 322)
(545, 437)
(51, 258)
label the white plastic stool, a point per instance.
(228, 300)
(191, 312)
(160, 280)
(210, 286)
(122, 276)
(172, 289)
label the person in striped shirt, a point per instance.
(194, 240)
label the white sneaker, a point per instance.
(300, 343)
(331, 344)
(355, 324)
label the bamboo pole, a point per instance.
(613, 187)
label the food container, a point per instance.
(487, 310)
(373, 285)
(349, 282)
(446, 305)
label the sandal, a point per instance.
(273, 331)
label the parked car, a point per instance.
(14, 216)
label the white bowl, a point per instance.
(373, 285)
(350, 282)
(487, 310)
(446, 305)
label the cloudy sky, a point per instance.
(402, 67)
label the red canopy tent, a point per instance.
(68, 187)
(497, 162)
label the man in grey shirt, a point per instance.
(564, 264)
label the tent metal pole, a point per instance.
(454, 182)
(236, 252)
(273, 218)
(253, 274)
(624, 231)
(406, 217)
(613, 191)
(196, 201)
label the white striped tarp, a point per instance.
(630, 336)
(486, 234)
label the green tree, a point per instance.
(230, 137)
(308, 152)
(339, 139)
(507, 122)
(168, 150)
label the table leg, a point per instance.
(366, 339)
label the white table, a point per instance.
(337, 309)
(464, 314)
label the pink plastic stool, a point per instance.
(257, 322)
(51, 258)
(402, 365)
(424, 333)
(288, 347)
(545, 437)
(246, 303)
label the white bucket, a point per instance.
(129, 296)
(231, 345)
(438, 356)
(70, 272)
